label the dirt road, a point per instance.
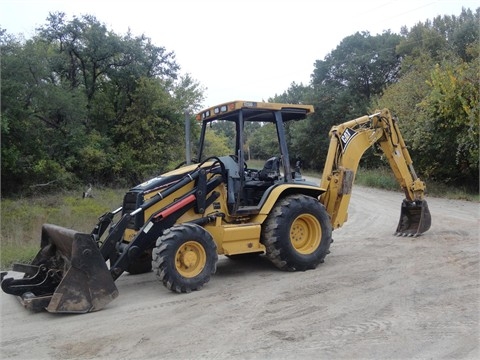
(377, 296)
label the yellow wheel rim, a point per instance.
(190, 259)
(305, 234)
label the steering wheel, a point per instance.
(235, 157)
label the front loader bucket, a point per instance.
(415, 218)
(68, 275)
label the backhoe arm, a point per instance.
(348, 143)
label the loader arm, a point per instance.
(348, 143)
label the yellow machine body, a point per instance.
(177, 224)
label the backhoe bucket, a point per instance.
(68, 275)
(415, 218)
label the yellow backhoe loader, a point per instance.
(180, 222)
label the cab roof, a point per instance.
(254, 111)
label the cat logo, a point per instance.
(346, 137)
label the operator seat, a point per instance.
(271, 170)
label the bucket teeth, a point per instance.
(415, 218)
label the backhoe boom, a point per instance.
(348, 143)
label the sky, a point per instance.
(239, 50)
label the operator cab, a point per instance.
(227, 133)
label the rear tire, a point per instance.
(297, 233)
(184, 258)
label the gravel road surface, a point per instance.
(377, 296)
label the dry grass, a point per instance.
(22, 219)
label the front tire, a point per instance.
(184, 258)
(297, 233)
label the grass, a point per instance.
(22, 219)
(384, 179)
(255, 164)
(380, 179)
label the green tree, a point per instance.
(264, 143)
(295, 94)
(41, 116)
(78, 102)
(294, 131)
(216, 144)
(437, 97)
(188, 94)
(148, 133)
(440, 38)
(343, 85)
(95, 58)
(452, 105)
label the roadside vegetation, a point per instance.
(384, 179)
(22, 218)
